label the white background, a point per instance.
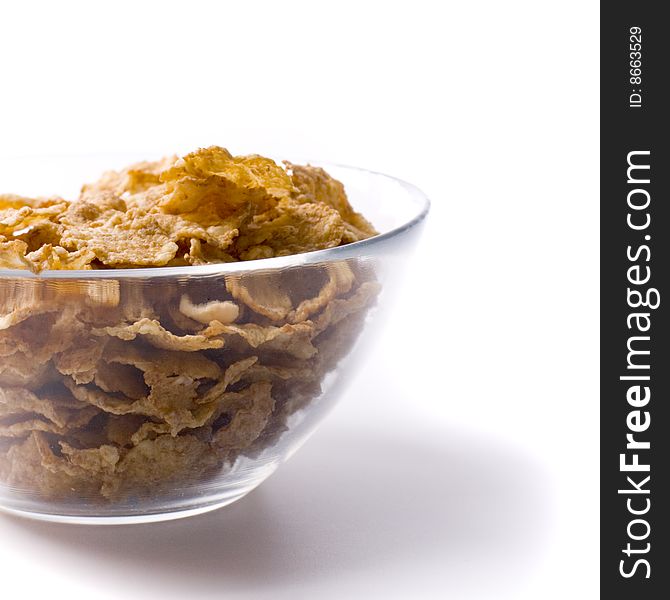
(463, 461)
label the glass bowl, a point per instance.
(135, 395)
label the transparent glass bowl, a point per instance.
(121, 402)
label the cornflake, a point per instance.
(114, 389)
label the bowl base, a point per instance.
(119, 520)
(197, 507)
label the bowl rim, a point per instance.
(345, 251)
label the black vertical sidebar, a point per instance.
(635, 297)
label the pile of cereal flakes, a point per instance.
(115, 387)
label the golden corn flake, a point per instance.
(59, 408)
(41, 336)
(340, 280)
(292, 339)
(120, 429)
(153, 362)
(20, 314)
(50, 334)
(100, 460)
(125, 379)
(273, 373)
(18, 369)
(202, 253)
(19, 221)
(149, 430)
(120, 238)
(55, 258)
(158, 336)
(20, 429)
(262, 293)
(341, 308)
(231, 376)
(32, 465)
(13, 254)
(16, 201)
(159, 462)
(172, 403)
(211, 183)
(290, 228)
(80, 361)
(251, 412)
(315, 185)
(136, 178)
